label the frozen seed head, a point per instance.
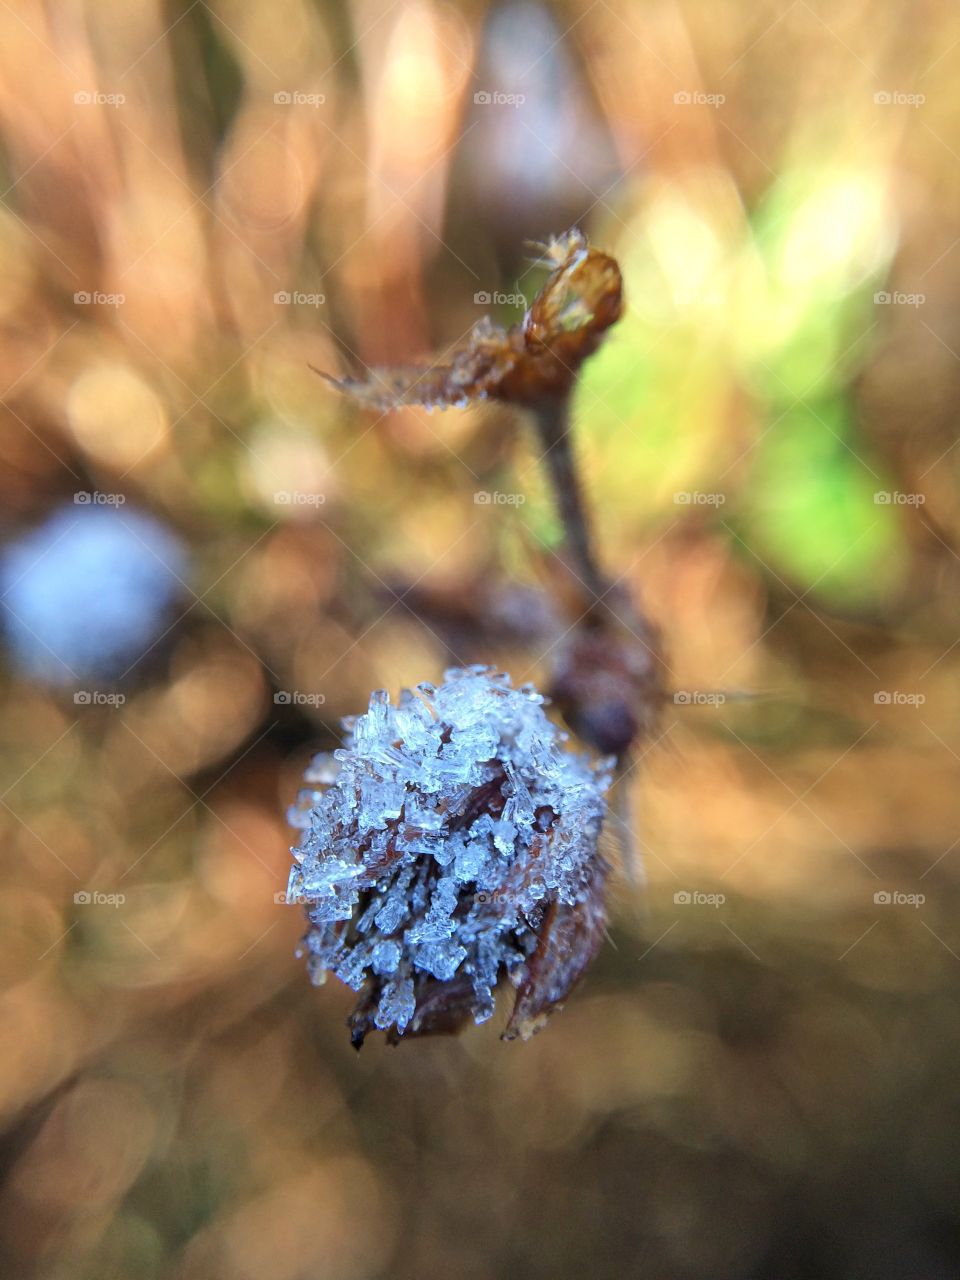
(450, 842)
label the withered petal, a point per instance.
(443, 1008)
(570, 938)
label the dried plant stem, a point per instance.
(608, 692)
(552, 418)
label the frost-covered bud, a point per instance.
(450, 842)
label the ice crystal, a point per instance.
(451, 841)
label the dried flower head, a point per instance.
(534, 360)
(451, 842)
(607, 678)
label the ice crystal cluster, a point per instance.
(451, 841)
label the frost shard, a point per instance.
(451, 841)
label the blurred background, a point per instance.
(208, 558)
